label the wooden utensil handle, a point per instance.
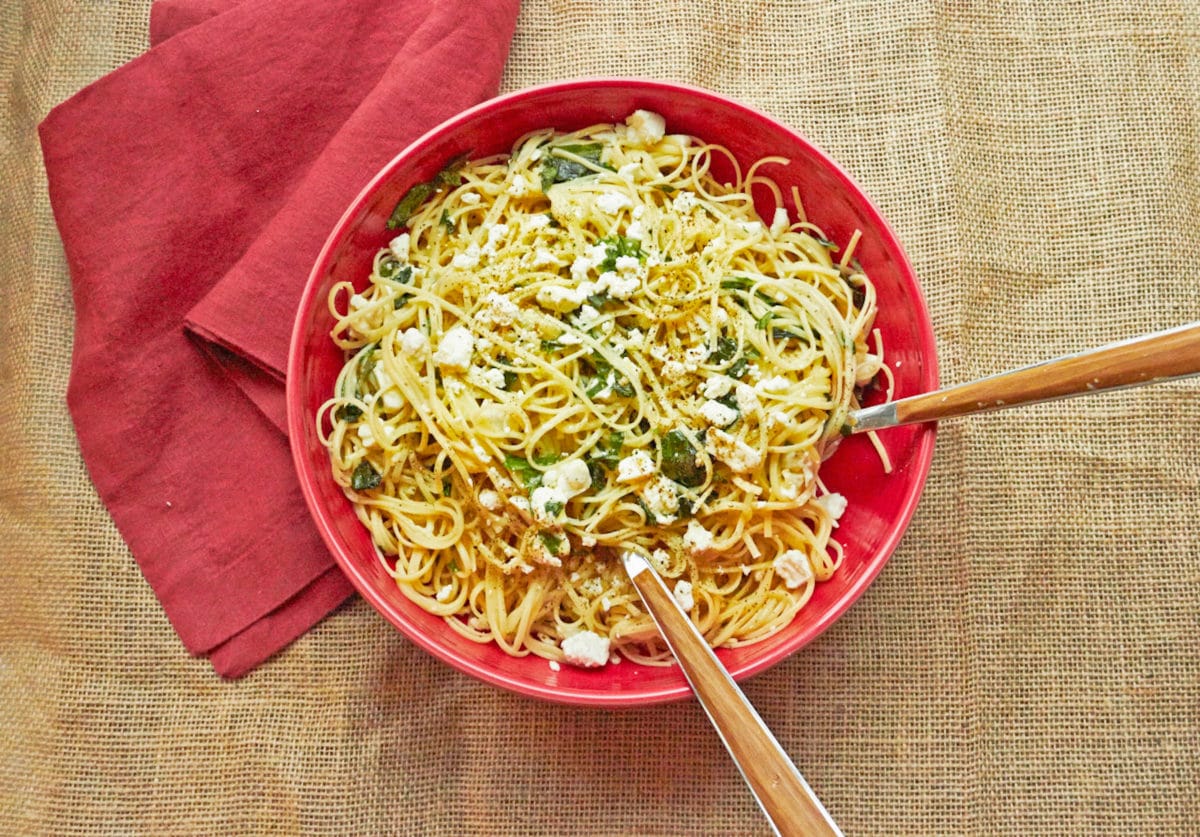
(781, 791)
(1142, 360)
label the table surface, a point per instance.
(1028, 661)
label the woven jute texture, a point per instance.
(1028, 662)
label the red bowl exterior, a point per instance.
(881, 505)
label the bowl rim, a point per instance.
(921, 459)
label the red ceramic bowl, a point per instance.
(880, 505)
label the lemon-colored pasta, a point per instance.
(591, 344)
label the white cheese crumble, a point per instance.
(554, 666)
(780, 221)
(716, 386)
(613, 202)
(489, 499)
(793, 567)
(499, 309)
(619, 287)
(747, 398)
(773, 386)
(357, 301)
(647, 126)
(469, 198)
(717, 414)
(536, 222)
(444, 594)
(468, 258)
(683, 595)
(684, 202)
(542, 257)
(413, 341)
(637, 466)
(635, 228)
(835, 504)
(586, 649)
(399, 246)
(697, 540)
(454, 351)
(735, 453)
(519, 187)
(661, 499)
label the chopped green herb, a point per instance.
(551, 541)
(365, 477)
(554, 508)
(446, 221)
(450, 175)
(599, 300)
(553, 221)
(551, 346)
(686, 507)
(546, 458)
(608, 450)
(617, 246)
(598, 474)
(739, 368)
(737, 283)
(623, 388)
(557, 169)
(348, 412)
(447, 486)
(726, 349)
(679, 460)
(784, 334)
(529, 476)
(765, 319)
(665, 188)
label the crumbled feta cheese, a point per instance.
(791, 484)
(673, 369)
(454, 351)
(629, 168)
(717, 414)
(716, 386)
(496, 233)
(392, 399)
(554, 666)
(635, 337)
(519, 187)
(694, 356)
(586, 649)
(569, 338)
(587, 541)
(490, 377)
(635, 228)
(540, 498)
(661, 499)
(713, 246)
(720, 316)
(413, 341)
(587, 317)
(683, 594)
(536, 222)
(751, 227)
(777, 418)
(639, 211)
(469, 198)
(444, 594)
(613, 202)
(735, 453)
(660, 558)
(793, 567)
(468, 259)
(489, 499)
(571, 477)
(592, 586)
(637, 466)
(774, 386)
(543, 257)
(536, 154)
(561, 298)
(366, 436)
(499, 309)
(357, 301)
(620, 287)
(697, 540)
(647, 126)
(399, 246)
(747, 398)
(780, 221)
(834, 504)
(684, 202)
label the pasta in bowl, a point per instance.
(616, 330)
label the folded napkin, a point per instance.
(193, 188)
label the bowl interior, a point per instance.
(880, 505)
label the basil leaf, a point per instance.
(365, 477)
(554, 508)
(679, 460)
(529, 476)
(608, 450)
(551, 541)
(559, 169)
(726, 349)
(617, 246)
(449, 176)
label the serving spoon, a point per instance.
(1147, 359)
(787, 800)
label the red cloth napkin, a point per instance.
(193, 188)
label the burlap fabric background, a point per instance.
(1029, 662)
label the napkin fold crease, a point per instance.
(193, 188)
